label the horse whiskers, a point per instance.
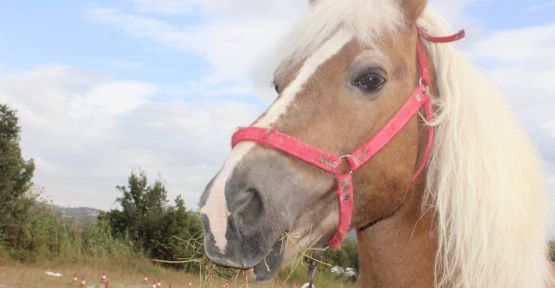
(266, 265)
(307, 253)
(309, 250)
(289, 235)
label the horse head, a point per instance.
(332, 98)
(346, 74)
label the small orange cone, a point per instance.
(103, 278)
(145, 279)
(83, 282)
(106, 284)
(74, 277)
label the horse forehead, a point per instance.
(309, 67)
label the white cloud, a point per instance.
(453, 10)
(522, 63)
(205, 90)
(82, 155)
(85, 141)
(456, 12)
(532, 45)
(232, 37)
(549, 128)
(119, 97)
(221, 9)
(2, 69)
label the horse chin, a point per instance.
(260, 271)
(270, 265)
(282, 255)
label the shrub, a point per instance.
(161, 231)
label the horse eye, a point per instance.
(369, 82)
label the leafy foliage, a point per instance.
(16, 176)
(154, 226)
(43, 235)
(346, 256)
(552, 250)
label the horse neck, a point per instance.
(399, 251)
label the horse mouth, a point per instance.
(262, 270)
(269, 266)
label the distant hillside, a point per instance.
(83, 215)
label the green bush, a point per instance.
(161, 231)
(44, 236)
(16, 199)
(346, 256)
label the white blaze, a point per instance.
(216, 208)
(323, 54)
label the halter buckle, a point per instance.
(345, 158)
(423, 83)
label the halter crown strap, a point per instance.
(442, 39)
(420, 99)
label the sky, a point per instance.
(105, 87)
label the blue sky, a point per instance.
(37, 33)
(103, 87)
(512, 14)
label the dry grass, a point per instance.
(15, 275)
(128, 272)
(33, 275)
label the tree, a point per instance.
(15, 176)
(142, 209)
(146, 218)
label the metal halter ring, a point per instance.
(426, 86)
(345, 158)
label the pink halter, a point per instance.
(419, 99)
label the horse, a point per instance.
(443, 189)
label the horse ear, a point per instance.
(413, 8)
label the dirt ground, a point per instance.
(34, 276)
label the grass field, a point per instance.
(119, 276)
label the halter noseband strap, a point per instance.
(420, 99)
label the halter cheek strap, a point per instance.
(420, 99)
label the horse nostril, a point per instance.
(248, 207)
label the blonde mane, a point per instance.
(364, 19)
(484, 182)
